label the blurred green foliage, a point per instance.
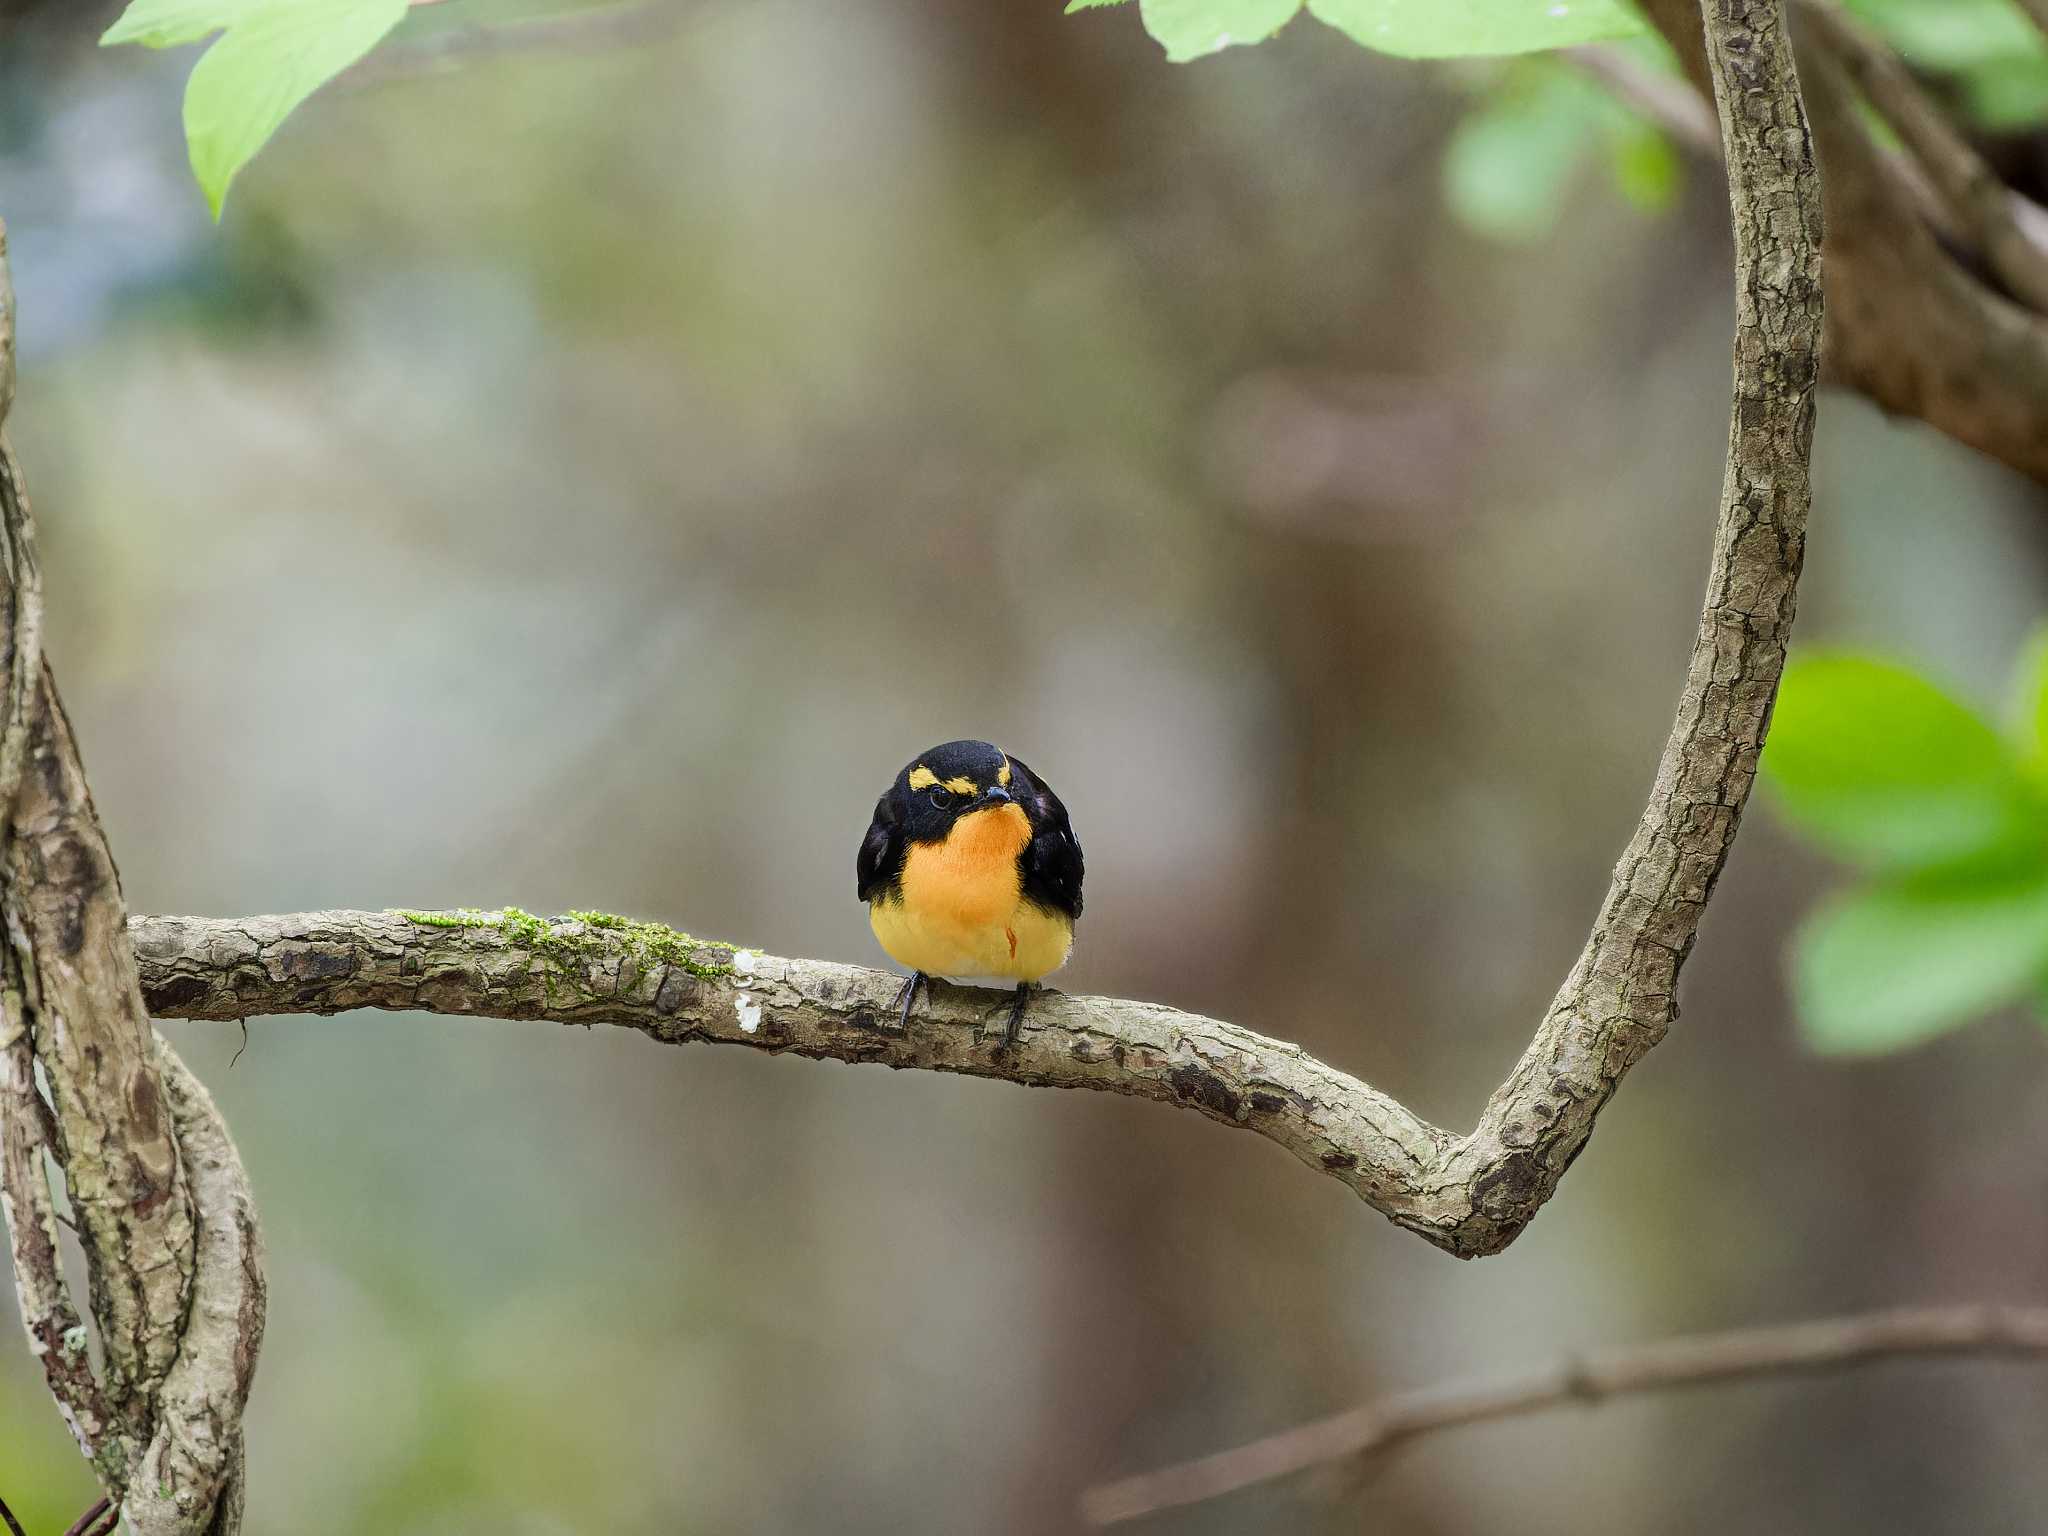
(1191, 29)
(272, 54)
(1506, 172)
(1950, 816)
(1510, 166)
(1995, 58)
(1513, 158)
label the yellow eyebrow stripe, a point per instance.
(922, 777)
(1003, 774)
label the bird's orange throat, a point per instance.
(962, 910)
(972, 876)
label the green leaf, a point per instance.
(1877, 764)
(1089, 5)
(1441, 29)
(169, 23)
(1901, 963)
(1192, 29)
(1507, 166)
(269, 61)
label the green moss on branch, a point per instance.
(577, 937)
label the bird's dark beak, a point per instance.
(995, 794)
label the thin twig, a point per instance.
(13, 1525)
(86, 1523)
(1981, 202)
(1697, 1360)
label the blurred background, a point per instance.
(583, 479)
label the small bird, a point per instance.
(971, 869)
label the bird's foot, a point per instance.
(907, 998)
(1024, 990)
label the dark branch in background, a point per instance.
(1978, 202)
(172, 1258)
(1912, 322)
(1370, 1433)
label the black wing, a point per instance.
(881, 851)
(1052, 860)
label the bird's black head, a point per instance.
(939, 786)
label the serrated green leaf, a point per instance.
(1193, 29)
(247, 84)
(1899, 964)
(1090, 5)
(1441, 29)
(171, 23)
(1877, 764)
(1508, 163)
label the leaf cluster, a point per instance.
(1947, 815)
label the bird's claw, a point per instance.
(1017, 1015)
(907, 998)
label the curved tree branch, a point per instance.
(92, 1036)
(194, 1463)
(28, 1136)
(677, 990)
(1375, 1429)
(163, 1210)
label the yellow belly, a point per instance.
(1029, 944)
(962, 912)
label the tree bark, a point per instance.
(172, 1255)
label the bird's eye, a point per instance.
(942, 799)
